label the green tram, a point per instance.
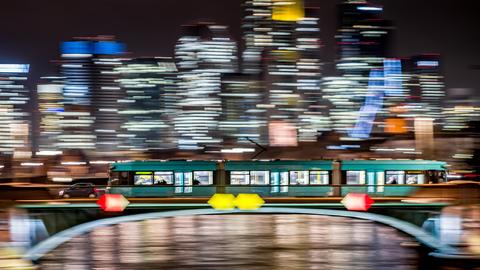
(275, 178)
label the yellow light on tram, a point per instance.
(222, 201)
(246, 201)
(288, 10)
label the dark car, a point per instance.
(80, 190)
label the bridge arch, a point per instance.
(48, 245)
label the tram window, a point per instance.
(355, 177)
(434, 177)
(163, 178)
(395, 177)
(114, 178)
(202, 178)
(259, 177)
(124, 178)
(319, 178)
(143, 179)
(298, 177)
(415, 179)
(239, 178)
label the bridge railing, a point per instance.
(463, 192)
(444, 191)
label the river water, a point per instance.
(239, 242)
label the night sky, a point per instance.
(31, 30)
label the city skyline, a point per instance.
(419, 28)
(221, 92)
(263, 134)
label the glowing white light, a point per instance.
(32, 164)
(238, 150)
(73, 163)
(101, 162)
(14, 68)
(48, 153)
(427, 63)
(370, 8)
(62, 179)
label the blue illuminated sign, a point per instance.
(90, 47)
(76, 47)
(108, 48)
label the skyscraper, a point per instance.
(15, 125)
(243, 116)
(149, 103)
(282, 47)
(91, 119)
(203, 53)
(362, 43)
(429, 84)
(51, 108)
(460, 109)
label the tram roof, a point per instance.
(394, 164)
(169, 165)
(279, 165)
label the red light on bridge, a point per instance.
(113, 202)
(357, 202)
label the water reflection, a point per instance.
(238, 242)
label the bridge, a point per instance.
(65, 220)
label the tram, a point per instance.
(273, 178)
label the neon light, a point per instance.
(113, 202)
(357, 202)
(373, 102)
(381, 82)
(143, 173)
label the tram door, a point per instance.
(183, 182)
(380, 182)
(279, 182)
(371, 182)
